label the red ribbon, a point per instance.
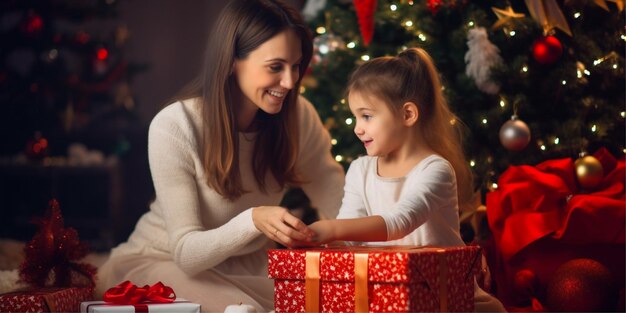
(128, 293)
(535, 202)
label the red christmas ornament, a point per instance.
(547, 50)
(32, 24)
(37, 147)
(525, 284)
(435, 5)
(365, 12)
(581, 285)
(52, 252)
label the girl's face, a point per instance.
(269, 72)
(381, 130)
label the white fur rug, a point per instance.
(12, 255)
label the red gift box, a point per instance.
(379, 279)
(45, 300)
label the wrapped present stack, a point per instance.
(558, 235)
(377, 279)
(57, 282)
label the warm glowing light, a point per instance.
(342, 101)
(408, 23)
(102, 54)
(543, 147)
(623, 114)
(484, 121)
(494, 186)
(470, 24)
(422, 37)
(502, 103)
(333, 141)
(577, 15)
(472, 163)
(524, 68)
(556, 140)
(365, 57)
(564, 82)
(393, 7)
(512, 33)
(594, 128)
(338, 158)
(349, 121)
(320, 30)
(351, 45)
(302, 89)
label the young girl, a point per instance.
(407, 190)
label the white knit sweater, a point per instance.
(191, 223)
(420, 208)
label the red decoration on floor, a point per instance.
(365, 12)
(547, 50)
(54, 250)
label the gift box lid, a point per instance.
(392, 264)
(180, 305)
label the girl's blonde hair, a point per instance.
(241, 27)
(412, 77)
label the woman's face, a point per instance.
(268, 73)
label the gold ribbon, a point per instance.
(361, 301)
(312, 282)
(443, 280)
(548, 14)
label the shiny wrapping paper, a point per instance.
(374, 279)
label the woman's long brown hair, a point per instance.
(241, 27)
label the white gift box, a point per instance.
(178, 306)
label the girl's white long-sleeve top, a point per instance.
(193, 225)
(420, 208)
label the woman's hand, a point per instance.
(279, 225)
(324, 233)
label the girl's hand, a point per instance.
(279, 225)
(324, 233)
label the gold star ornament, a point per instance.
(505, 17)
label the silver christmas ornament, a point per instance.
(325, 44)
(514, 134)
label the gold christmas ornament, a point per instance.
(589, 172)
(505, 17)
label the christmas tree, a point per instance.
(62, 72)
(532, 80)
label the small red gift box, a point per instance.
(378, 279)
(45, 300)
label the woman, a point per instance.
(221, 160)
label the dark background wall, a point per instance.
(169, 36)
(103, 202)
